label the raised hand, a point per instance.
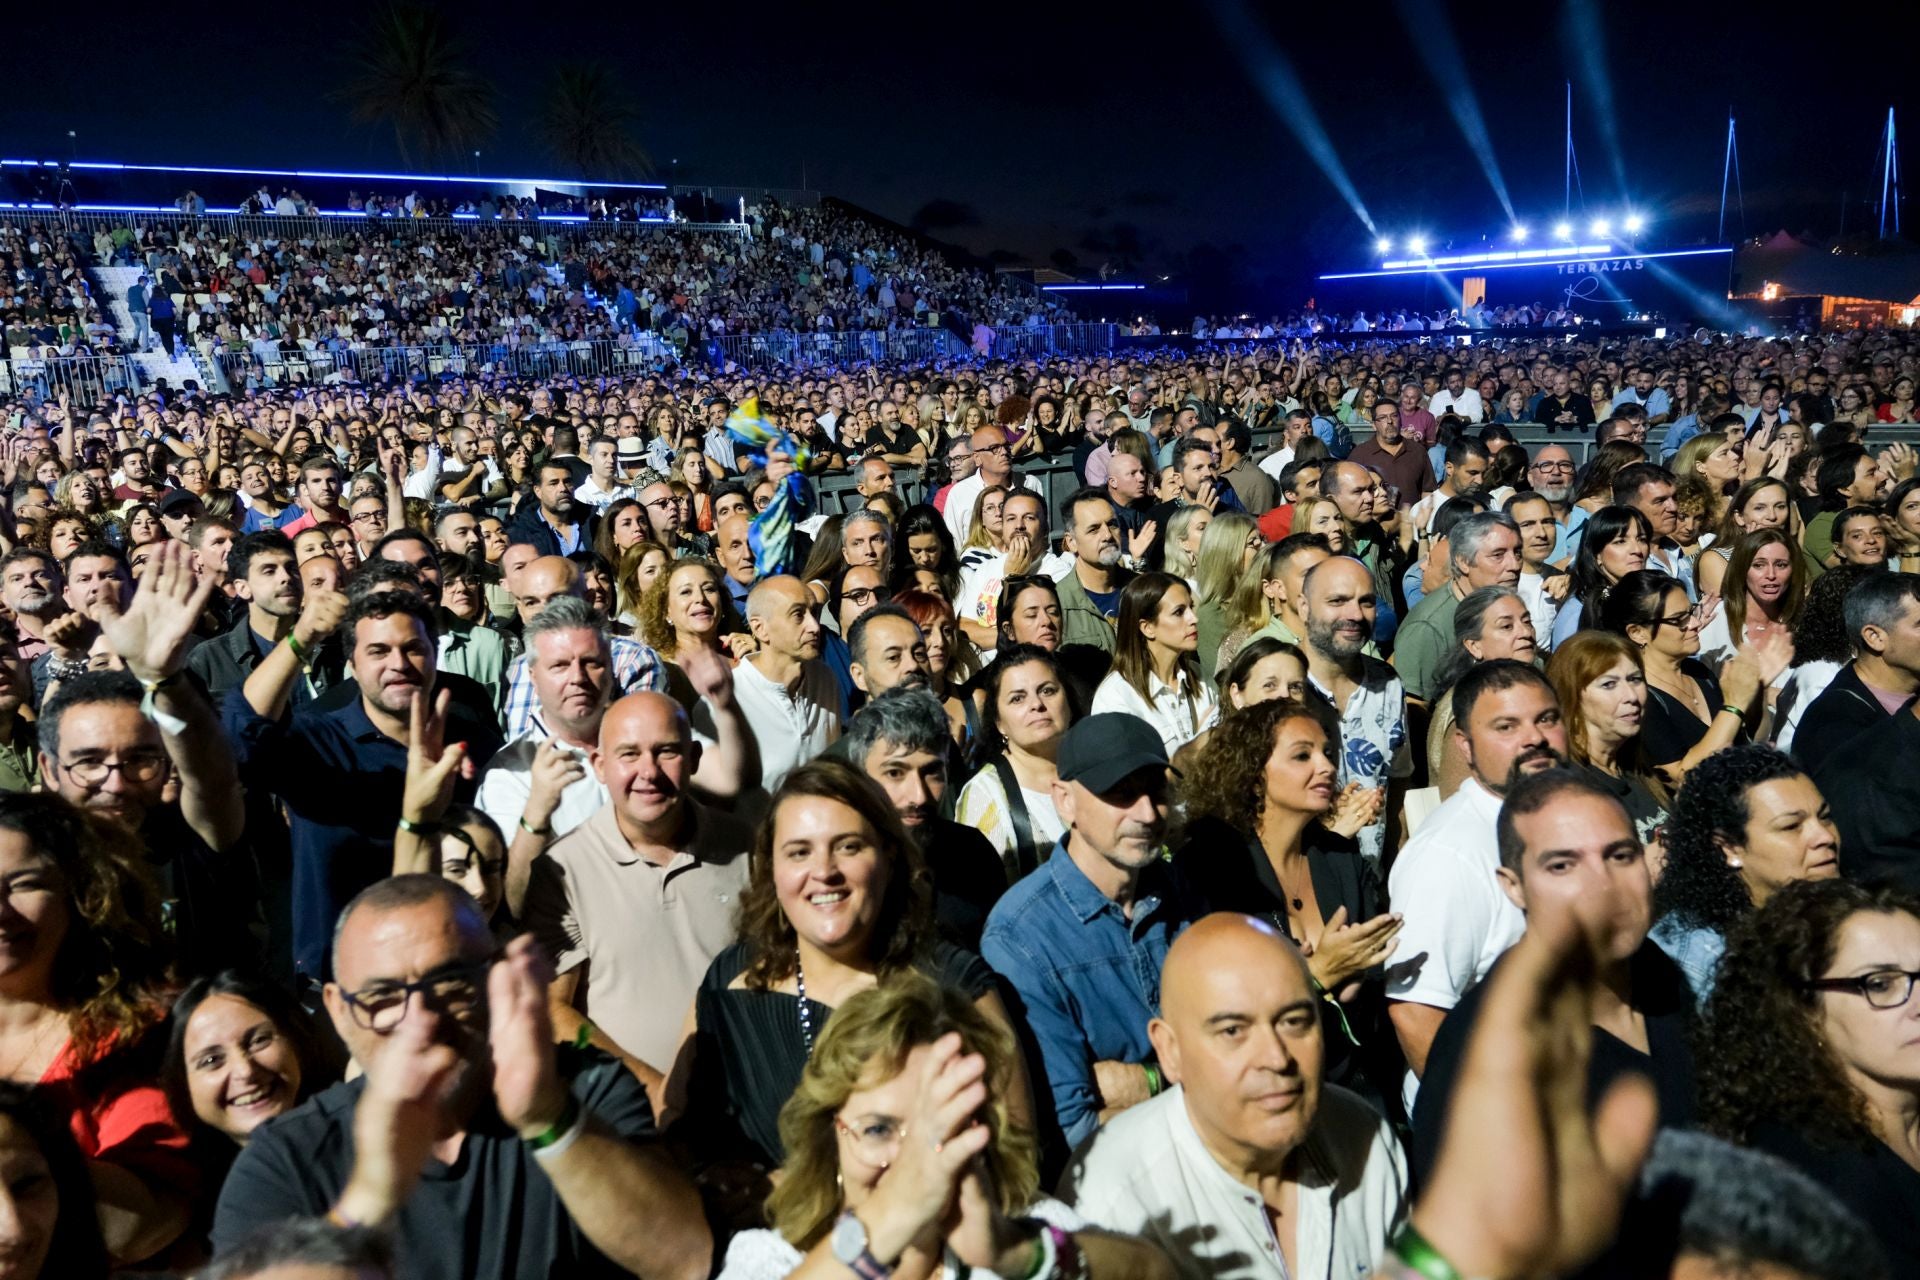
(943, 1135)
(527, 1088)
(554, 770)
(432, 767)
(1772, 655)
(320, 616)
(152, 636)
(710, 675)
(398, 1119)
(1899, 460)
(1355, 809)
(71, 635)
(1140, 541)
(1345, 951)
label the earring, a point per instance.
(1734, 863)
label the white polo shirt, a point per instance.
(791, 728)
(507, 781)
(1147, 1173)
(1458, 920)
(1174, 718)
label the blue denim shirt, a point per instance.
(1086, 977)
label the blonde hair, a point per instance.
(864, 1044)
(1223, 546)
(1175, 557)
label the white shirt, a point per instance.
(507, 781)
(600, 499)
(1276, 462)
(960, 500)
(1174, 718)
(1147, 1173)
(1542, 608)
(791, 728)
(1467, 404)
(764, 1254)
(1458, 920)
(1373, 738)
(1804, 684)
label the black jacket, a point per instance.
(528, 527)
(1874, 792)
(1845, 709)
(230, 657)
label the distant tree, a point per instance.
(587, 122)
(410, 72)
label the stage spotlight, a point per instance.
(1417, 245)
(1563, 231)
(1599, 227)
(1520, 235)
(1635, 222)
(1383, 245)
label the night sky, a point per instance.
(1056, 132)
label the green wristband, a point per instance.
(299, 650)
(1155, 1083)
(1417, 1253)
(1738, 711)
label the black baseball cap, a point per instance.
(1104, 750)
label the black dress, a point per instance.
(750, 1052)
(1230, 871)
(1669, 728)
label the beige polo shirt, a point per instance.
(645, 934)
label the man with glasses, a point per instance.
(367, 517)
(480, 1144)
(1550, 476)
(111, 741)
(995, 467)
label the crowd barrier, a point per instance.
(582, 358)
(269, 226)
(85, 379)
(786, 350)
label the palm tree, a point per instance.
(587, 121)
(411, 72)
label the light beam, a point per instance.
(1432, 34)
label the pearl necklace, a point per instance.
(806, 1016)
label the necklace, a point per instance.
(806, 1016)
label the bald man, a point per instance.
(636, 901)
(787, 694)
(1249, 1153)
(541, 579)
(733, 548)
(995, 466)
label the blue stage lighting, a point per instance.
(1520, 234)
(1417, 244)
(1635, 222)
(1563, 231)
(1599, 227)
(1383, 245)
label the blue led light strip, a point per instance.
(1531, 262)
(321, 173)
(1509, 255)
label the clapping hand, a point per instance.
(710, 675)
(1355, 809)
(1344, 951)
(527, 1088)
(432, 766)
(1140, 541)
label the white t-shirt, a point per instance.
(507, 781)
(1373, 740)
(1542, 608)
(962, 496)
(1458, 919)
(1467, 404)
(1176, 719)
(790, 729)
(1147, 1173)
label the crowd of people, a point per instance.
(467, 828)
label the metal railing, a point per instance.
(262, 369)
(85, 379)
(784, 349)
(1018, 342)
(552, 227)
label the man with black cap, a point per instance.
(178, 510)
(1081, 941)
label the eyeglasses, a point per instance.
(454, 992)
(861, 596)
(1883, 989)
(1553, 466)
(1677, 619)
(876, 1140)
(370, 516)
(143, 766)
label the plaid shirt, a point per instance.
(636, 668)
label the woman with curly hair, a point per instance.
(78, 491)
(1748, 821)
(688, 607)
(897, 1065)
(1808, 1047)
(838, 901)
(1821, 646)
(83, 985)
(1258, 802)
(67, 532)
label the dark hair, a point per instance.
(1711, 812)
(1635, 600)
(1492, 677)
(993, 739)
(1086, 493)
(1605, 463)
(1226, 782)
(1820, 633)
(89, 688)
(101, 549)
(1255, 651)
(1879, 599)
(373, 576)
(904, 927)
(110, 972)
(290, 1021)
(404, 534)
(1839, 463)
(1630, 480)
(1139, 604)
(1533, 792)
(857, 633)
(1762, 1057)
(76, 1248)
(314, 1242)
(1746, 1210)
(1463, 447)
(1605, 527)
(1011, 589)
(241, 556)
(384, 604)
(919, 519)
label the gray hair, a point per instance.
(1470, 618)
(866, 515)
(908, 718)
(567, 613)
(1879, 600)
(1467, 537)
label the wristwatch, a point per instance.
(850, 1248)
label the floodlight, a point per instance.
(1383, 245)
(1417, 244)
(1635, 222)
(1599, 227)
(1563, 231)
(1519, 234)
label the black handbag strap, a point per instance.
(1025, 856)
